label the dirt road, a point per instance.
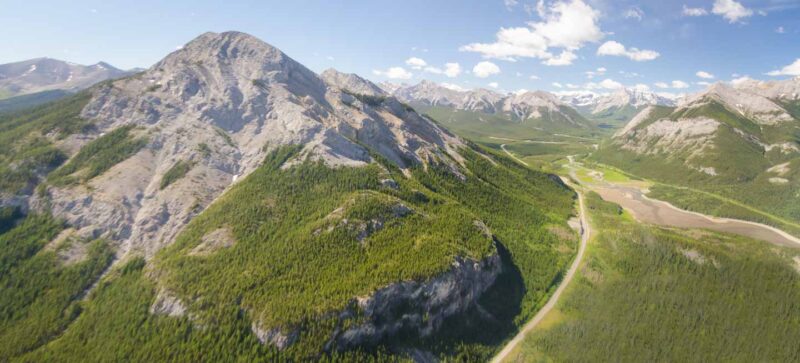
(585, 234)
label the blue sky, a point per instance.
(652, 43)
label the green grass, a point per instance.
(98, 156)
(38, 295)
(640, 298)
(176, 172)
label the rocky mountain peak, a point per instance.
(745, 102)
(351, 82)
(220, 104)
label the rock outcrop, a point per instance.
(417, 308)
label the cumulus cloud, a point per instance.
(675, 84)
(704, 75)
(597, 72)
(533, 77)
(634, 13)
(452, 70)
(493, 84)
(780, 30)
(743, 79)
(679, 84)
(790, 70)
(453, 87)
(606, 84)
(641, 87)
(432, 69)
(557, 85)
(687, 11)
(731, 10)
(394, 73)
(485, 69)
(613, 48)
(564, 59)
(416, 63)
(567, 24)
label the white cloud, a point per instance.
(641, 87)
(434, 70)
(679, 84)
(330, 58)
(558, 85)
(604, 84)
(740, 80)
(731, 10)
(453, 87)
(572, 86)
(493, 84)
(634, 13)
(394, 73)
(416, 63)
(567, 24)
(564, 59)
(674, 84)
(790, 70)
(780, 30)
(533, 77)
(510, 3)
(617, 49)
(610, 84)
(597, 72)
(521, 91)
(452, 70)
(704, 75)
(687, 11)
(485, 69)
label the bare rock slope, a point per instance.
(221, 103)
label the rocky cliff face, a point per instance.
(221, 103)
(417, 307)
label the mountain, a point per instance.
(616, 108)
(228, 203)
(46, 74)
(740, 142)
(532, 112)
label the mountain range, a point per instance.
(741, 140)
(616, 108)
(535, 110)
(47, 74)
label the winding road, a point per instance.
(585, 234)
